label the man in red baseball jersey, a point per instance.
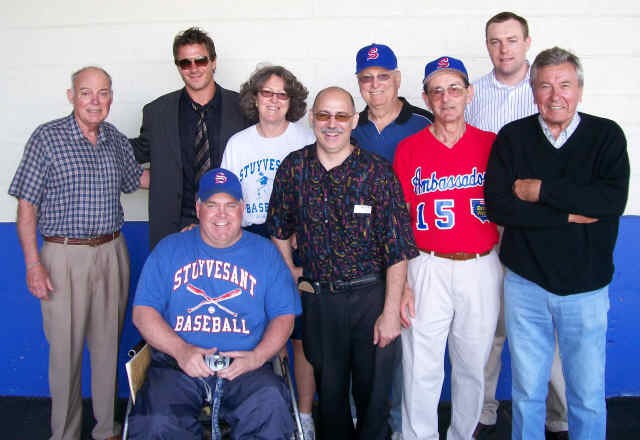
(454, 284)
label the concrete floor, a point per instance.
(24, 418)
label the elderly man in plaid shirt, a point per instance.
(68, 185)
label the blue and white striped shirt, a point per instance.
(495, 104)
(76, 185)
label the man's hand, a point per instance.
(191, 360)
(407, 307)
(527, 190)
(188, 227)
(243, 362)
(145, 179)
(386, 329)
(38, 281)
(582, 219)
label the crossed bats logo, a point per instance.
(208, 301)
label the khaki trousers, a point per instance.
(90, 289)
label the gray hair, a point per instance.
(554, 57)
(76, 74)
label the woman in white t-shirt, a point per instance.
(276, 99)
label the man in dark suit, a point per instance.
(184, 133)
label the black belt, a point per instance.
(340, 286)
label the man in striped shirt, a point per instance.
(501, 96)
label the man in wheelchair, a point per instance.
(216, 303)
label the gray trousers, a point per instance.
(90, 289)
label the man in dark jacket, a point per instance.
(184, 133)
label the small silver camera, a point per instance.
(217, 362)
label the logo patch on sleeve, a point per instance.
(479, 209)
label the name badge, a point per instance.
(361, 209)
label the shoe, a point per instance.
(558, 435)
(308, 427)
(483, 430)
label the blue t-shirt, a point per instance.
(214, 297)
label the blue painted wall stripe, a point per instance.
(24, 350)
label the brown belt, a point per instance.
(458, 256)
(93, 241)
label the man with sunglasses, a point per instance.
(184, 133)
(346, 208)
(453, 290)
(501, 96)
(384, 122)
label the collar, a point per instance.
(564, 134)
(500, 85)
(75, 129)
(313, 155)
(403, 116)
(213, 103)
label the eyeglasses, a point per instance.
(454, 90)
(268, 94)
(186, 63)
(381, 77)
(339, 117)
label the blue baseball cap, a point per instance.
(217, 181)
(444, 63)
(376, 55)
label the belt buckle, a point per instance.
(93, 241)
(336, 286)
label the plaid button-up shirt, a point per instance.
(75, 185)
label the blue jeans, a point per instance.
(533, 315)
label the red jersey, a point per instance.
(444, 188)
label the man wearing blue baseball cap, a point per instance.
(387, 118)
(215, 289)
(453, 286)
(385, 121)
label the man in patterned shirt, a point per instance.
(68, 184)
(346, 208)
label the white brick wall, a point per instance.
(44, 41)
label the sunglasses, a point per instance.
(367, 79)
(339, 117)
(186, 63)
(454, 90)
(268, 94)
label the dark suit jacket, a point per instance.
(159, 144)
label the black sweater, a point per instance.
(589, 175)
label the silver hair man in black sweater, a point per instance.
(558, 183)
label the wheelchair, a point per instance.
(140, 358)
